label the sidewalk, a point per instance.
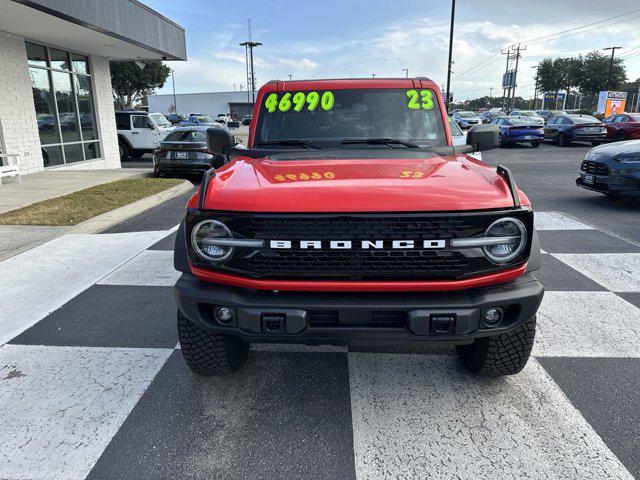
(42, 186)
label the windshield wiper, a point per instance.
(380, 141)
(295, 143)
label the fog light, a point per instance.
(224, 315)
(492, 317)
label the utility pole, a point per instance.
(173, 80)
(290, 77)
(613, 52)
(406, 71)
(515, 74)
(506, 71)
(450, 63)
(638, 99)
(535, 87)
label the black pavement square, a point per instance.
(110, 316)
(605, 391)
(583, 241)
(558, 276)
(167, 243)
(282, 416)
(631, 297)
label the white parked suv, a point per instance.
(140, 132)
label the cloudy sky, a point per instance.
(355, 38)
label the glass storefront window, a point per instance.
(80, 63)
(63, 99)
(36, 55)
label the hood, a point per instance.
(628, 146)
(358, 185)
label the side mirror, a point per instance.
(483, 137)
(219, 140)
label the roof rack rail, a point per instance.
(208, 175)
(508, 176)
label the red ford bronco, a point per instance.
(351, 219)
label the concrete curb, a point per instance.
(113, 217)
(108, 219)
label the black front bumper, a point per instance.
(623, 185)
(337, 318)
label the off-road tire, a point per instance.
(562, 140)
(124, 150)
(209, 353)
(535, 144)
(504, 354)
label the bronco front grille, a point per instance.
(357, 264)
(594, 168)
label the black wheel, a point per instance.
(595, 143)
(125, 151)
(535, 144)
(502, 142)
(209, 353)
(562, 140)
(620, 136)
(503, 354)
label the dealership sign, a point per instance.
(610, 103)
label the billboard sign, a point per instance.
(610, 103)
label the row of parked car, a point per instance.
(206, 119)
(561, 128)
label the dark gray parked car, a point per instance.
(612, 169)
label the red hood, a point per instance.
(358, 185)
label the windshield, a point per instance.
(467, 115)
(528, 114)
(159, 119)
(204, 119)
(455, 129)
(334, 115)
(186, 136)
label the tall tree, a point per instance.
(595, 69)
(132, 82)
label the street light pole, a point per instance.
(613, 52)
(251, 73)
(453, 16)
(290, 77)
(373, 75)
(173, 81)
(406, 71)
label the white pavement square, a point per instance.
(587, 324)
(46, 277)
(557, 221)
(617, 272)
(417, 416)
(62, 405)
(149, 268)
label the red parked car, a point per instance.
(351, 218)
(623, 126)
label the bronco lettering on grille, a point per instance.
(361, 244)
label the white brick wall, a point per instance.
(17, 111)
(18, 125)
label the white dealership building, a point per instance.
(56, 103)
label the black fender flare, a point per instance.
(180, 254)
(535, 257)
(123, 139)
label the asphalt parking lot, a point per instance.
(92, 383)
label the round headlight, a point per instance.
(201, 237)
(515, 235)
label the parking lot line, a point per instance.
(618, 272)
(149, 268)
(557, 221)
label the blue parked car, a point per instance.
(518, 130)
(564, 129)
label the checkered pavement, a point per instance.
(92, 384)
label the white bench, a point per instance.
(9, 166)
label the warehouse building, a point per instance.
(212, 103)
(56, 103)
